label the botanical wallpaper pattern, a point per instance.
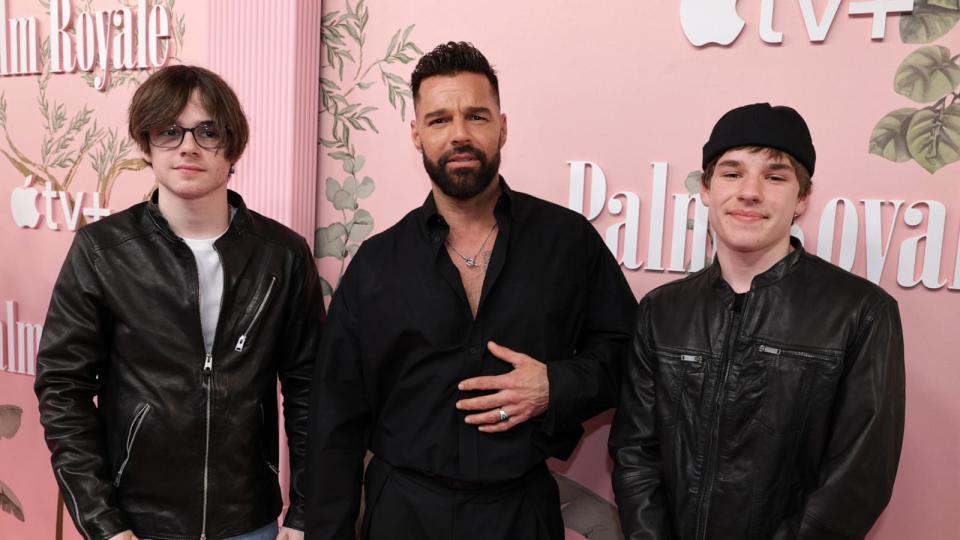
(929, 76)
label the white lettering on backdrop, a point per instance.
(101, 40)
(588, 196)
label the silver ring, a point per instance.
(503, 415)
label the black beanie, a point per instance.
(762, 125)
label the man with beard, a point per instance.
(466, 344)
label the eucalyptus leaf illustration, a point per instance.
(366, 187)
(930, 20)
(9, 502)
(933, 137)
(9, 420)
(331, 188)
(343, 200)
(692, 182)
(330, 241)
(325, 287)
(927, 74)
(889, 137)
(344, 112)
(360, 226)
(945, 4)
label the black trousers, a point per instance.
(403, 504)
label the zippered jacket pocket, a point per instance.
(243, 340)
(780, 384)
(132, 433)
(679, 383)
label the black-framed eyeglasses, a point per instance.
(207, 135)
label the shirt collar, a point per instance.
(509, 207)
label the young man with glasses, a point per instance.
(169, 326)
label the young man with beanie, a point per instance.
(168, 329)
(764, 395)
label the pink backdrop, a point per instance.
(615, 83)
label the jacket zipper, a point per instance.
(131, 437)
(243, 337)
(714, 440)
(76, 507)
(799, 354)
(769, 350)
(208, 384)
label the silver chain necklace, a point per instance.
(471, 262)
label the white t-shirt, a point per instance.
(210, 272)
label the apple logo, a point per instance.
(23, 205)
(710, 21)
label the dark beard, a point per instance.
(465, 183)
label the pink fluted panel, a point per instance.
(269, 52)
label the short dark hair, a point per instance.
(163, 96)
(803, 175)
(449, 59)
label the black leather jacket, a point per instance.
(783, 422)
(180, 444)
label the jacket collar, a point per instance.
(153, 219)
(770, 276)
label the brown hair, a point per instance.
(803, 175)
(164, 95)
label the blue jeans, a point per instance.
(264, 533)
(269, 532)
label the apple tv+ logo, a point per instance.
(717, 22)
(23, 206)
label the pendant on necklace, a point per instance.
(472, 263)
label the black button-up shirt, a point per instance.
(400, 336)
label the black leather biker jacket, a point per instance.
(782, 422)
(179, 444)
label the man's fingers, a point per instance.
(507, 355)
(484, 403)
(488, 382)
(499, 426)
(492, 417)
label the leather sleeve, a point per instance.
(340, 420)
(635, 447)
(71, 358)
(588, 383)
(861, 458)
(301, 339)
